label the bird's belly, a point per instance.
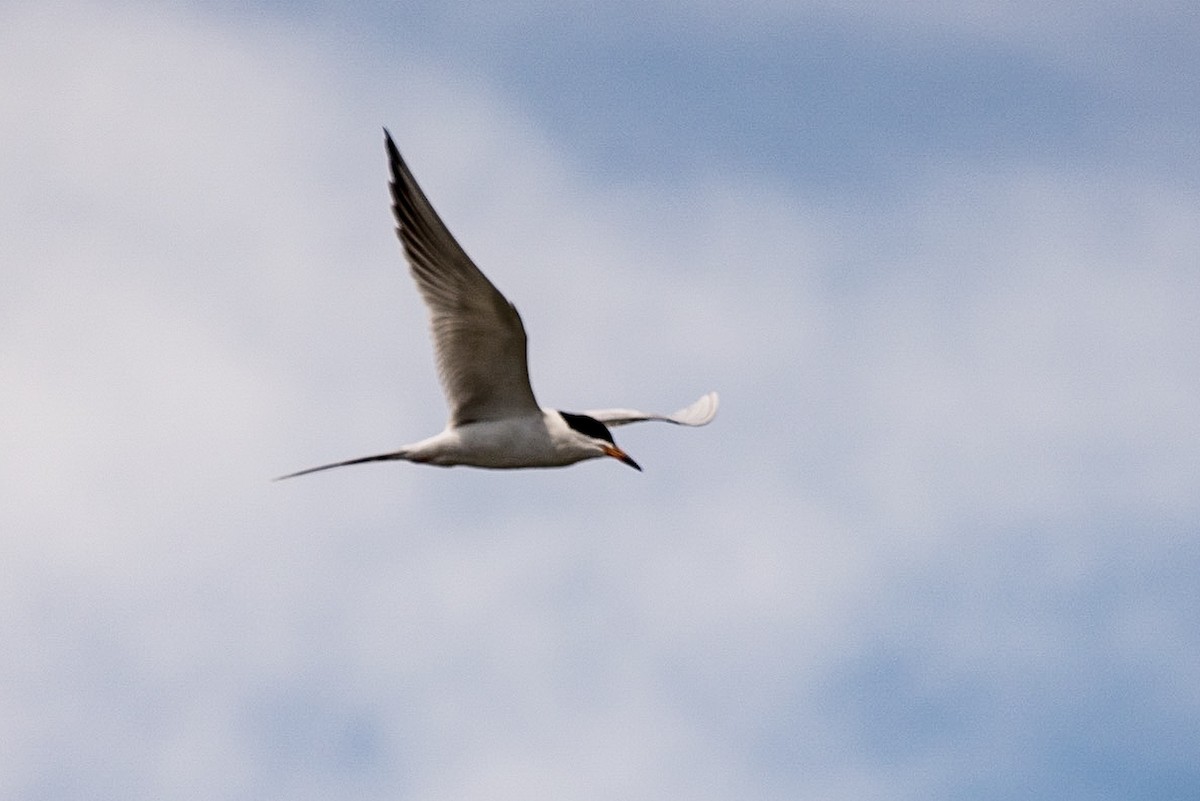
(504, 444)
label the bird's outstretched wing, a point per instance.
(697, 414)
(478, 337)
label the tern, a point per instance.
(480, 345)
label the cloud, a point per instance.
(939, 540)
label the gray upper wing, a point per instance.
(478, 337)
(699, 413)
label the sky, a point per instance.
(941, 261)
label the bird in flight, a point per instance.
(479, 341)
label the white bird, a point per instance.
(481, 357)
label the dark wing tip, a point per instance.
(393, 154)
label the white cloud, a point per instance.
(949, 422)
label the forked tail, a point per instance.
(382, 457)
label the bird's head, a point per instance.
(593, 435)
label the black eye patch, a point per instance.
(588, 426)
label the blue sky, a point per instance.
(941, 262)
